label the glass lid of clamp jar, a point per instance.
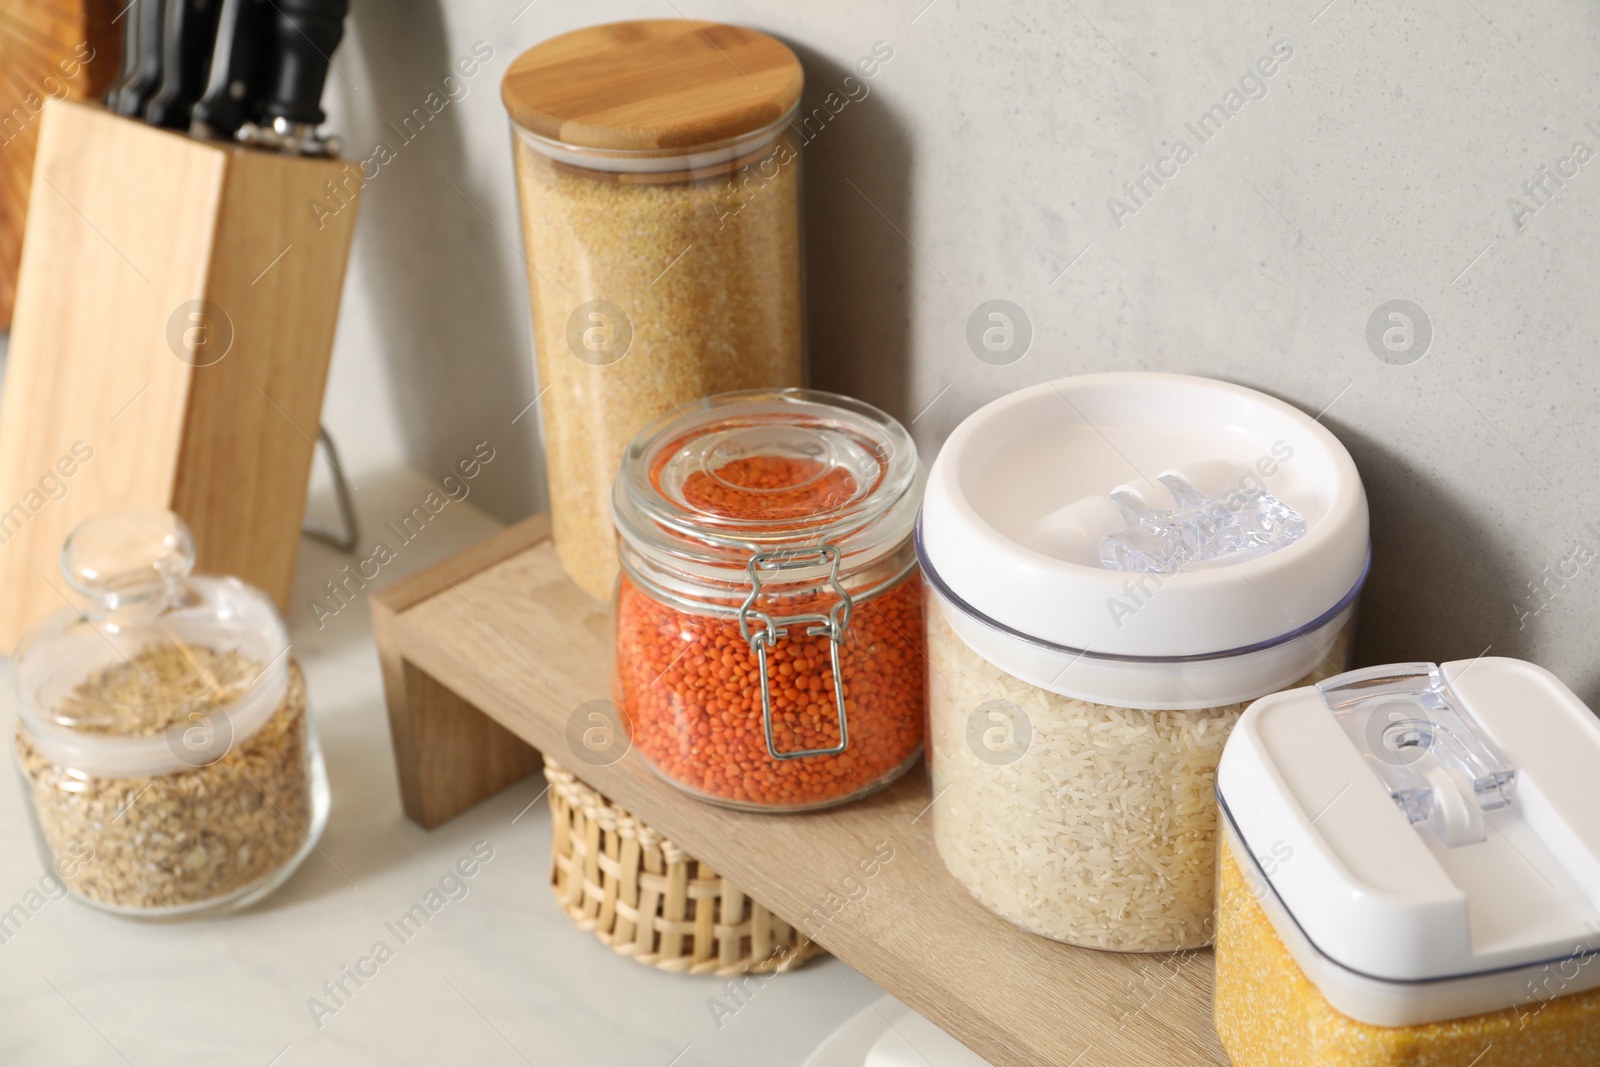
(769, 640)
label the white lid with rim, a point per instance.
(1424, 838)
(1019, 500)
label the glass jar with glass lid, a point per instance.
(163, 739)
(769, 616)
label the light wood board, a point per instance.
(128, 226)
(48, 48)
(500, 629)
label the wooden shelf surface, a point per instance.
(487, 656)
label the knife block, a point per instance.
(175, 313)
(50, 48)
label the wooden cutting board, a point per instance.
(48, 48)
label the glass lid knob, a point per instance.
(128, 557)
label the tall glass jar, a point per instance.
(660, 194)
(769, 617)
(163, 740)
(1117, 564)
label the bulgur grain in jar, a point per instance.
(769, 617)
(660, 194)
(163, 739)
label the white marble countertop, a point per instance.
(500, 976)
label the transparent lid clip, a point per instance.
(1439, 766)
(1198, 529)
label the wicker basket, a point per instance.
(649, 899)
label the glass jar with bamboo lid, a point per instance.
(660, 194)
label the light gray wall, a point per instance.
(1377, 166)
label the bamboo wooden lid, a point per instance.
(652, 84)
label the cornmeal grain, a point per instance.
(1268, 1013)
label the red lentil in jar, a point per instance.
(767, 565)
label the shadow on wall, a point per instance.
(858, 164)
(450, 318)
(1442, 585)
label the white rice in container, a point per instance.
(1103, 833)
(1096, 822)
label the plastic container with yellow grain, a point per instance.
(1410, 872)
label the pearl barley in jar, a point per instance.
(769, 618)
(166, 751)
(1116, 564)
(660, 195)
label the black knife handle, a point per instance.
(190, 31)
(130, 54)
(147, 59)
(238, 69)
(305, 34)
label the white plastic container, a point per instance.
(1077, 710)
(1412, 871)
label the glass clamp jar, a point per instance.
(1116, 564)
(769, 621)
(660, 191)
(163, 739)
(1408, 872)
